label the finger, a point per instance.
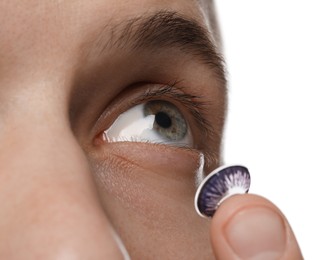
(251, 227)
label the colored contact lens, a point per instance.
(219, 185)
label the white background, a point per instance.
(275, 55)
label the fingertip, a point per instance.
(251, 227)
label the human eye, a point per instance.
(163, 114)
(155, 121)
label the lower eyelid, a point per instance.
(154, 157)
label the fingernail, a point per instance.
(256, 233)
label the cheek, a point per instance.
(146, 177)
(148, 192)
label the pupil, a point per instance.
(163, 120)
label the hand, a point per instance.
(251, 227)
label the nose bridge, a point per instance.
(49, 205)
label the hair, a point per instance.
(209, 7)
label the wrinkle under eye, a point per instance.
(155, 121)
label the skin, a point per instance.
(65, 191)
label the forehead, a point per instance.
(76, 17)
(56, 30)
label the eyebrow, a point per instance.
(163, 30)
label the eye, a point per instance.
(154, 121)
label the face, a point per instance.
(110, 112)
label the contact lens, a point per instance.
(220, 184)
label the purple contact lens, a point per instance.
(218, 185)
